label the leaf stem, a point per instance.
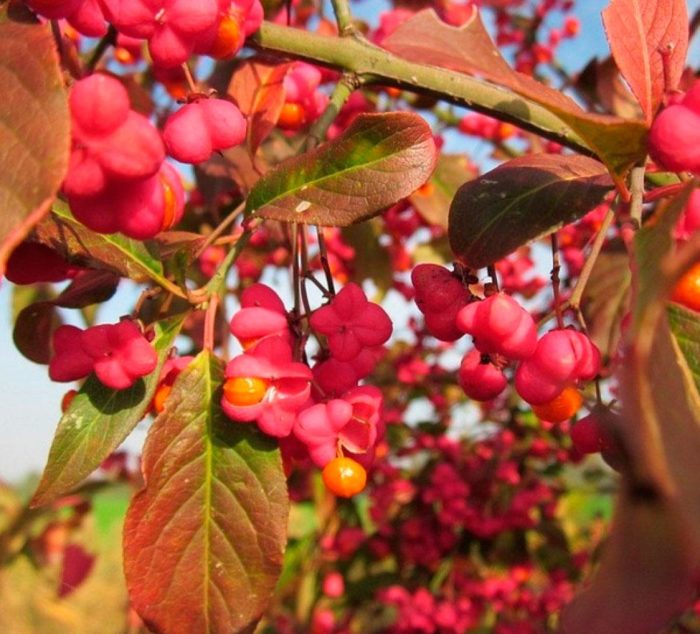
(376, 65)
(217, 284)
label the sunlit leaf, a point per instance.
(649, 41)
(258, 89)
(97, 422)
(521, 200)
(468, 49)
(204, 540)
(378, 160)
(112, 252)
(35, 129)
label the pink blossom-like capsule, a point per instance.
(286, 385)
(353, 422)
(351, 323)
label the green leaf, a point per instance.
(378, 160)
(204, 540)
(685, 326)
(113, 252)
(522, 200)
(35, 130)
(97, 422)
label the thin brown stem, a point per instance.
(223, 225)
(191, 81)
(323, 256)
(596, 248)
(108, 40)
(556, 267)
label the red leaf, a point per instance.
(204, 540)
(35, 130)
(425, 39)
(257, 86)
(77, 564)
(649, 41)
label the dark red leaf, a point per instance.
(521, 200)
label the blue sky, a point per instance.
(31, 403)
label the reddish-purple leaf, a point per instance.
(97, 422)
(468, 49)
(521, 200)
(258, 89)
(378, 160)
(33, 329)
(649, 41)
(204, 540)
(35, 130)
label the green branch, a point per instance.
(372, 64)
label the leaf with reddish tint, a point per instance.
(88, 287)
(97, 422)
(685, 326)
(649, 40)
(113, 252)
(645, 577)
(33, 329)
(522, 200)
(378, 160)
(204, 540)
(648, 570)
(619, 143)
(432, 200)
(605, 300)
(35, 130)
(257, 86)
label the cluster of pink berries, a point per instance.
(174, 29)
(503, 331)
(118, 354)
(117, 178)
(266, 385)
